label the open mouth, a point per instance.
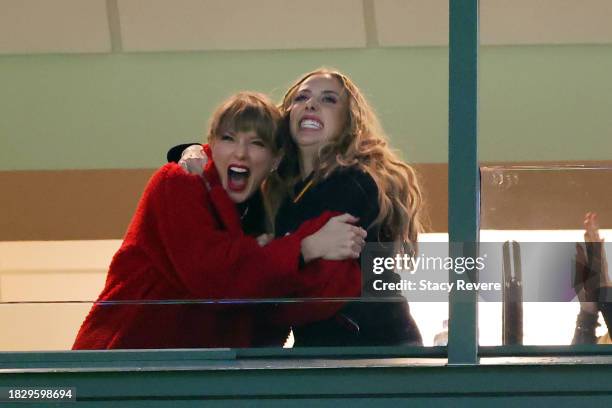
(311, 124)
(237, 178)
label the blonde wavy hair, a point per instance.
(362, 144)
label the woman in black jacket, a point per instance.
(336, 158)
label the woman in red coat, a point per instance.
(186, 270)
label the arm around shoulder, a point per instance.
(209, 260)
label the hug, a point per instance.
(278, 204)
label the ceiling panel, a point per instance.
(161, 25)
(53, 26)
(425, 22)
(546, 21)
(411, 22)
(82, 26)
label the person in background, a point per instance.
(591, 282)
(193, 240)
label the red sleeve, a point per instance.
(355, 193)
(320, 279)
(209, 260)
(331, 280)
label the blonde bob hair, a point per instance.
(246, 111)
(362, 144)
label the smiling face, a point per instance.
(243, 161)
(318, 112)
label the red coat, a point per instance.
(185, 243)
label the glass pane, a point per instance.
(545, 150)
(47, 290)
(87, 126)
(551, 268)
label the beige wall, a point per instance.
(34, 276)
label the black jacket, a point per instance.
(359, 323)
